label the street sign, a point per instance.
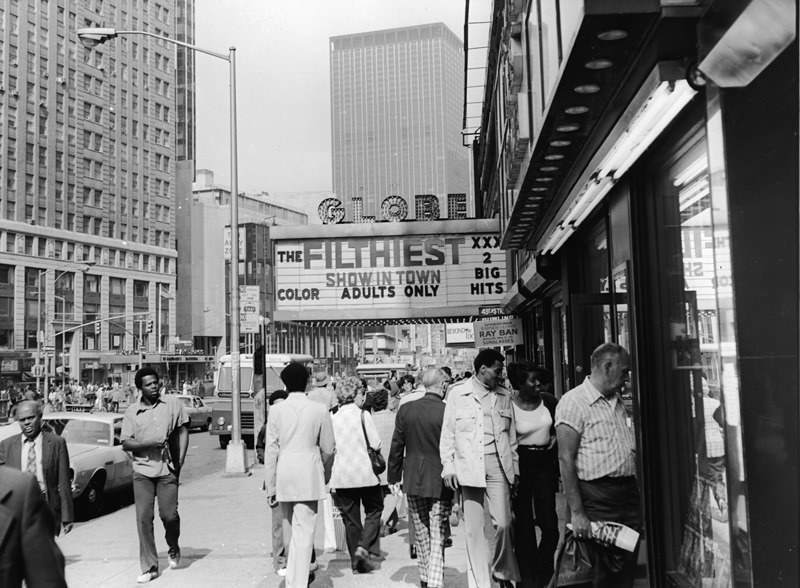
(48, 348)
(37, 370)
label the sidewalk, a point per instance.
(225, 541)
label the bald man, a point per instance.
(44, 455)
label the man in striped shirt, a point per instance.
(597, 455)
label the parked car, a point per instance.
(98, 465)
(9, 430)
(198, 412)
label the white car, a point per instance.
(196, 410)
(97, 463)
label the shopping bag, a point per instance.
(328, 526)
(573, 563)
(338, 529)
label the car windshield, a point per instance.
(90, 432)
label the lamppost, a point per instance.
(41, 271)
(236, 457)
(63, 336)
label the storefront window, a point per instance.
(697, 284)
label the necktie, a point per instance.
(31, 468)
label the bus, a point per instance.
(250, 384)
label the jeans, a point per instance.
(613, 499)
(145, 491)
(538, 484)
(348, 501)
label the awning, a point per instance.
(569, 120)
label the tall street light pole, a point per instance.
(236, 458)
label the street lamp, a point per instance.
(236, 458)
(82, 268)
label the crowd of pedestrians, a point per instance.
(441, 450)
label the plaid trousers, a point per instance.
(430, 519)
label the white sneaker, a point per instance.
(146, 577)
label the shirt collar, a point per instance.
(480, 389)
(26, 440)
(142, 407)
(595, 394)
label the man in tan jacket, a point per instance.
(298, 459)
(478, 449)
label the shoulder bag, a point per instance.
(375, 458)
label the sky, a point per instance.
(282, 79)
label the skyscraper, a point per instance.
(396, 106)
(87, 171)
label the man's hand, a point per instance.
(67, 527)
(581, 526)
(451, 481)
(395, 489)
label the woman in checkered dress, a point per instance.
(353, 483)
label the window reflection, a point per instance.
(703, 361)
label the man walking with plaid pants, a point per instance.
(414, 456)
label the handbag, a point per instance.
(375, 458)
(573, 563)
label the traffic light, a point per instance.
(150, 326)
(97, 327)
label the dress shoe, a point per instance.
(362, 565)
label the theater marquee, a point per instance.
(387, 270)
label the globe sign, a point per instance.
(331, 211)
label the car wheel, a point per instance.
(93, 497)
(223, 442)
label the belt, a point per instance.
(535, 447)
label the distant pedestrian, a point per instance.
(478, 449)
(322, 390)
(28, 552)
(535, 502)
(354, 482)
(44, 455)
(597, 454)
(299, 452)
(156, 435)
(384, 420)
(414, 458)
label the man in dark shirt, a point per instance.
(414, 457)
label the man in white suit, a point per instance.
(298, 458)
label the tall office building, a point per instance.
(396, 108)
(88, 149)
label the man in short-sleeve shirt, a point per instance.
(597, 454)
(155, 434)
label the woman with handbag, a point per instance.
(355, 478)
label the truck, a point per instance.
(250, 384)
(376, 373)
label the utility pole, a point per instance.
(140, 351)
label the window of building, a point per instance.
(116, 286)
(91, 282)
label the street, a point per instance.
(202, 458)
(225, 541)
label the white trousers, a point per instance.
(303, 517)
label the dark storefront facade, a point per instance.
(644, 168)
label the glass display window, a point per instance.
(703, 434)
